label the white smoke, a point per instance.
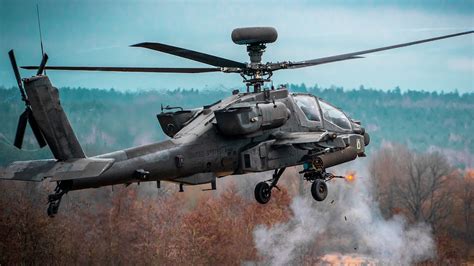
(347, 222)
(279, 243)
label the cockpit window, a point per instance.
(309, 106)
(334, 116)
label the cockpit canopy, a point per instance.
(314, 109)
(309, 106)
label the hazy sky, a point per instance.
(98, 33)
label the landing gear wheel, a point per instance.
(54, 200)
(53, 209)
(319, 190)
(263, 192)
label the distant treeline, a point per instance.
(107, 120)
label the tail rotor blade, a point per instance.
(11, 54)
(36, 129)
(20, 130)
(42, 65)
(27, 115)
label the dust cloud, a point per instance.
(347, 222)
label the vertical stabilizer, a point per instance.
(50, 116)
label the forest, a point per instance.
(107, 120)
(410, 201)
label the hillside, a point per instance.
(107, 120)
(142, 224)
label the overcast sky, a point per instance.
(98, 33)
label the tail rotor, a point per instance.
(27, 115)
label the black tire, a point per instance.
(53, 209)
(319, 190)
(263, 192)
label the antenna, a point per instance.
(39, 27)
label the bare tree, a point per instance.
(385, 168)
(417, 184)
(423, 189)
(467, 199)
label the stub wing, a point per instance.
(298, 138)
(302, 139)
(38, 170)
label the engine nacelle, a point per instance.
(244, 119)
(172, 122)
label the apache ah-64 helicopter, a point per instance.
(258, 130)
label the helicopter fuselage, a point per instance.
(246, 132)
(199, 152)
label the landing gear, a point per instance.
(54, 200)
(319, 190)
(263, 190)
(318, 177)
(53, 208)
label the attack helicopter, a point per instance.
(261, 129)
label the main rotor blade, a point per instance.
(20, 130)
(132, 69)
(36, 129)
(355, 55)
(42, 64)
(190, 54)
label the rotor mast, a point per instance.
(256, 38)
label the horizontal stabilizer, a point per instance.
(39, 170)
